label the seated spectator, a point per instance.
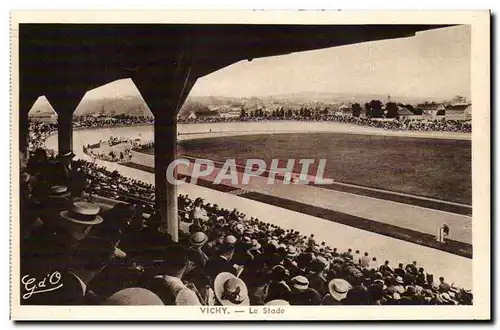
(338, 289)
(166, 280)
(400, 271)
(221, 262)
(196, 254)
(50, 247)
(316, 278)
(301, 294)
(443, 286)
(385, 267)
(278, 287)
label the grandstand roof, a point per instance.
(74, 58)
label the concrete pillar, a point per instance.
(26, 101)
(166, 193)
(65, 105)
(65, 131)
(165, 86)
(23, 133)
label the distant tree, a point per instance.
(356, 110)
(374, 109)
(392, 110)
(243, 113)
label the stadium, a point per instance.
(394, 226)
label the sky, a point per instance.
(433, 64)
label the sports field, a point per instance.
(436, 168)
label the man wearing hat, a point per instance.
(79, 219)
(230, 290)
(278, 288)
(316, 278)
(50, 248)
(196, 254)
(337, 289)
(63, 168)
(399, 285)
(222, 261)
(302, 294)
(166, 281)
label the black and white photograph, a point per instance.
(250, 168)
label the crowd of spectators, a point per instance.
(119, 254)
(39, 130)
(400, 124)
(223, 257)
(118, 120)
(104, 150)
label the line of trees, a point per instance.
(372, 109)
(282, 113)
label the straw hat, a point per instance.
(300, 282)
(399, 280)
(230, 290)
(69, 154)
(249, 231)
(277, 302)
(246, 240)
(274, 243)
(230, 239)
(446, 298)
(133, 296)
(83, 213)
(239, 228)
(198, 239)
(338, 288)
(59, 192)
(292, 251)
(255, 245)
(119, 254)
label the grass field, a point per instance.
(435, 168)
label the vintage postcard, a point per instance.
(250, 165)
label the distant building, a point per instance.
(458, 111)
(233, 113)
(203, 114)
(46, 117)
(432, 110)
(344, 110)
(404, 112)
